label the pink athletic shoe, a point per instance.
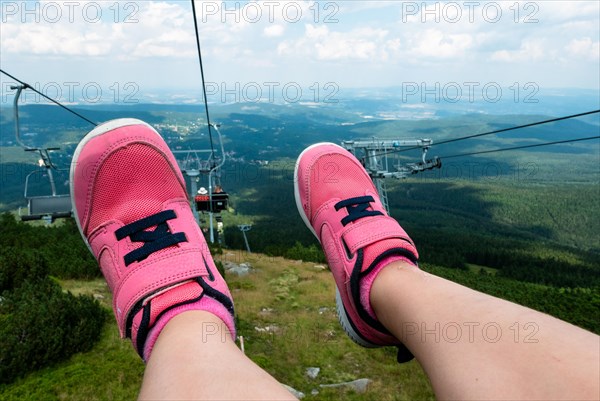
(339, 204)
(132, 209)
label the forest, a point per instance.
(523, 227)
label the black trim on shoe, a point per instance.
(134, 311)
(355, 329)
(355, 292)
(357, 276)
(144, 329)
(404, 355)
(217, 295)
(211, 276)
(393, 251)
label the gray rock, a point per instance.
(314, 392)
(239, 270)
(313, 372)
(98, 296)
(268, 329)
(360, 385)
(295, 393)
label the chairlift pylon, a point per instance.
(374, 156)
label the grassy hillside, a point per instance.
(293, 299)
(286, 314)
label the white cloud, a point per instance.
(530, 50)
(371, 39)
(274, 31)
(158, 26)
(436, 44)
(553, 11)
(55, 40)
(585, 48)
(320, 43)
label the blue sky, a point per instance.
(149, 46)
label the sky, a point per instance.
(146, 49)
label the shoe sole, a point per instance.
(343, 316)
(99, 130)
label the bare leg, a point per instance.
(475, 346)
(195, 358)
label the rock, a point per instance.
(240, 270)
(295, 393)
(98, 296)
(267, 329)
(360, 385)
(314, 392)
(265, 311)
(319, 267)
(322, 310)
(313, 372)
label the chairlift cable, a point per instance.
(203, 81)
(521, 147)
(49, 98)
(493, 132)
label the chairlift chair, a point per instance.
(211, 202)
(47, 207)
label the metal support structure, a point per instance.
(19, 89)
(193, 166)
(375, 155)
(47, 208)
(244, 228)
(210, 181)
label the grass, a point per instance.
(477, 268)
(294, 299)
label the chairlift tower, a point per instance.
(244, 228)
(375, 156)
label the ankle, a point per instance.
(367, 281)
(191, 335)
(196, 324)
(389, 284)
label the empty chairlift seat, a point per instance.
(49, 207)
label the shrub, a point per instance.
(39, 323)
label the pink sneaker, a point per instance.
(339, 204)
(132, 209)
